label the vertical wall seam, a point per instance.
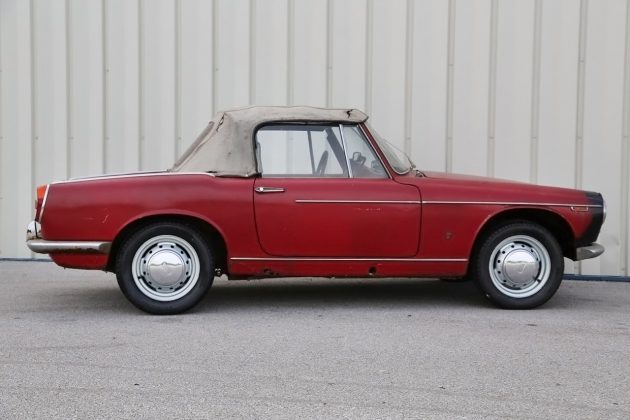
(141, 145)
(492, 87)
(579, 114)
(33, 64)
(34, 128)
(2, 142)
(105, 87)
(215, 67)
(535, 105)
(450, 79)
(409, 33)
(289, 74)
(369, 31)
(252, 51)
(329, 52)
(624, 253)
(178, 78)
(290, 52)
(579, 123)
(69, 91)
(1, 109)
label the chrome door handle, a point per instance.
(269, 189)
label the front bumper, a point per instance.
(586, 252)
(42, 246)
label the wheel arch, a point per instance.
(553, 222)
(215, 239)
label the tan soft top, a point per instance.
(226, 146)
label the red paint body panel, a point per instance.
(98, 209)
(453, 227)
(84, 261)
(343, 222)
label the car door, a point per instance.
(323, 192)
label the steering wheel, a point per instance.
(358, 159)
(321, 166)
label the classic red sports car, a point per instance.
(300, 191)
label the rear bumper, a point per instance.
(41, 246)
(586, 252)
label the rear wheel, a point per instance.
(518, 266)
(165, 268)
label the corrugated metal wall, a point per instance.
(533, 90)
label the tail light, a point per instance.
(42, 191)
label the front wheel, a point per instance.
(518, 266)
(165, 268)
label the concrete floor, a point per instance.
(71, 346)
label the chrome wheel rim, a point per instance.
(520, 266)
(165, 268)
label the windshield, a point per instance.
(398, 160)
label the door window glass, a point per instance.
(285, 150)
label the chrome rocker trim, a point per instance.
(587, 252)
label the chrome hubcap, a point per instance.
(165, 268)
(519, 266)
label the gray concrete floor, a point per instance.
(71, 346)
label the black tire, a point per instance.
(165, 268)
(518, 265)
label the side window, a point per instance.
(363, 160)
(300, 151)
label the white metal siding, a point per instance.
(532, 90)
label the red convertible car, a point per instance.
(300, 191)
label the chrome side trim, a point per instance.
(479, 203)
(360, 201)
(510, 203)
(348, 259)
(134, 175)
(345, 151)
(587, 252)
(42, 246)
(41, 211)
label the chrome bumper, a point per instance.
(41, 246)
(33, 231)
(587, 252)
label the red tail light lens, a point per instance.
(39, 201)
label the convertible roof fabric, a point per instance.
(226, 146)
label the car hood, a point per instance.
(439, 186)
(472, 178)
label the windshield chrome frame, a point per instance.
(345, 151)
